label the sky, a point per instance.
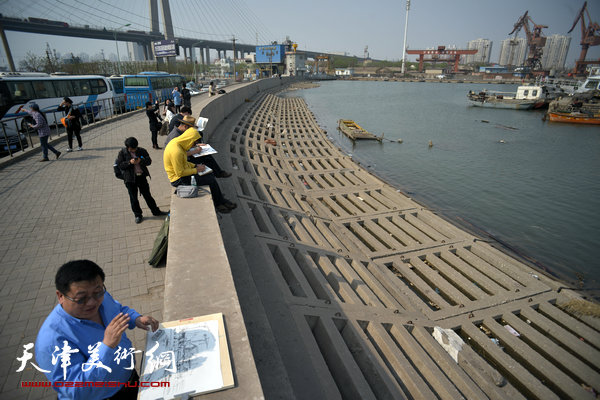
(329, 26)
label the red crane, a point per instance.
(535, 40)
(590, 36)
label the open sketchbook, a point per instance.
(207, 170)
(206, 150)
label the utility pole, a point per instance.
(405, 31)
(233, 40)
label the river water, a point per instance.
(538, 192)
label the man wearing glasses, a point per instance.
(83, 339)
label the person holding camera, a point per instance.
(133, 161)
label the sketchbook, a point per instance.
(207, 170)
(192, 355)
(206, 150)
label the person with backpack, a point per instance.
(133, 161)
(71, 122)
(41, 124)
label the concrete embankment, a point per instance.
(350, 289)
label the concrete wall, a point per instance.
(198, 279)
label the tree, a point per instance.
(32, 63)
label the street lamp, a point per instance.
(117, 44)
(195, 76)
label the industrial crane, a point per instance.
(535, 40)
(590, 36)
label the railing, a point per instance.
(18, 136)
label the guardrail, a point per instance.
(16, 135)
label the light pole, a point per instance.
(195, 76)
(405, 29)
(117, 44)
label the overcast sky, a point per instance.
(329, 26)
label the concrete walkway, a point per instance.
(68, 209)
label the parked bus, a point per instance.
(146, 86)
(93, 94)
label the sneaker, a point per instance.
(159, 213)
(229, 204)
(138, 220)
(69, 149)
(58, 155)
(44, 159)
(223, 174)
(223, 209)
(79, 148)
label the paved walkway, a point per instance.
(68, 209)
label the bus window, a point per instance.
(43, 89)
(98, 86)
(21, 91)
(82, 87)
(63, 88)
(118, 85)
(136, 81)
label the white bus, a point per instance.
(93, 94)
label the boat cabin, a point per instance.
(529, 93)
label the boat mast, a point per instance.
(405, 30)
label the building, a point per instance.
(484, 50)
(295, 63)
(135, 51)
(513, 51)
(555, 52)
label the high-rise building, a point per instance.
(513, 52)
(555, 51)
(484, 49)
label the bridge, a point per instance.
(145, 39)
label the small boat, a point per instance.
(355, 131)
(525, 98)
(574, 118)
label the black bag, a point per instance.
(118, 171)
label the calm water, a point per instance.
(539, 191)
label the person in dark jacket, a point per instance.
(155, 121)
(73, 117)
(133, 162)
(186, 96)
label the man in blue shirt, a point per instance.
(177, 99)
(83, 339)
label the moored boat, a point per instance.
(355, 131)
(574, 118)
(526, 97)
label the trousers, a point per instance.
(70, 132)
(141, 184)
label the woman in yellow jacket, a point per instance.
(180, 170)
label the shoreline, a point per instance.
(349, 274)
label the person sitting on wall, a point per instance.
(87, 329)
(207, 160)
(180, 170)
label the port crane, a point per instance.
(590, 36)
(535, 40)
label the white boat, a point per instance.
(591, 83)
(525, 98)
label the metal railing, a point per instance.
(18, 136)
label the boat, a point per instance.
(525, 98)
(355, 131)
(581, 108)
(574, 118)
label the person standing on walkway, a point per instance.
(176, 98)
(83, 339)
(155, 121)
(72, 119)
(186, 96)
(41, 124)
(212, 89)
(133, 161)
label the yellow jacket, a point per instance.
(175, 157)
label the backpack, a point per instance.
(118, 171)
